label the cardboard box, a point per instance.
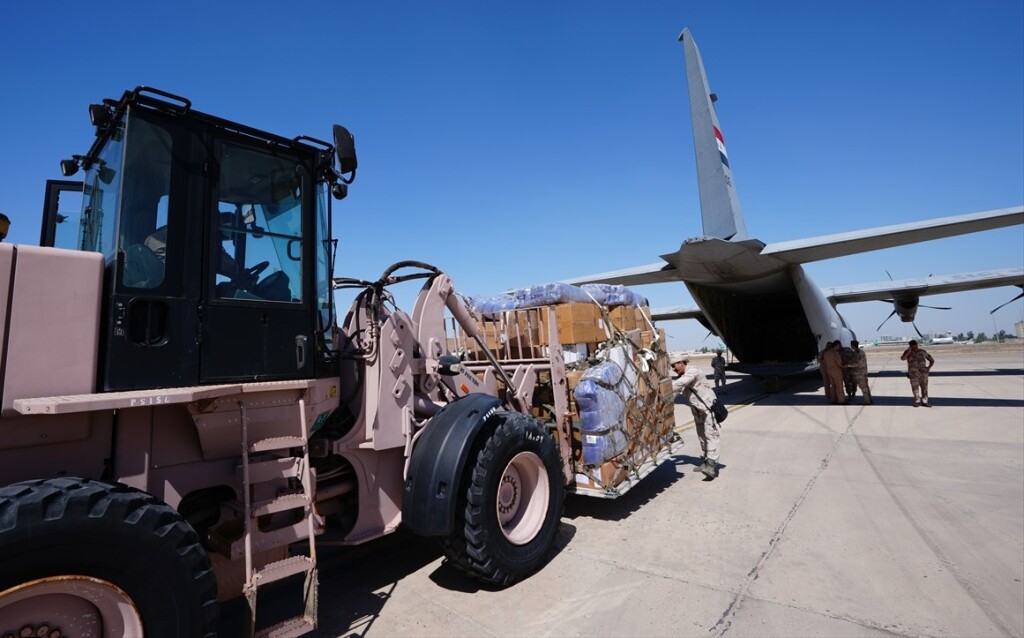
(623, 317)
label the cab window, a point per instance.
(257, 234)
(146, 194)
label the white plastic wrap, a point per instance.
(614, 295)
(598, 448)
(493, 305)
(549, 294)
(602, 407)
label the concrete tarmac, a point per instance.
(825, 521)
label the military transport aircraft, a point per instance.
(756, 297)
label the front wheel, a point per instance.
(512, 504)
(84, 558)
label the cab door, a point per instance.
(257, 312)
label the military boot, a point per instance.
(709, 469)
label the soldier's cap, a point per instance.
(678, 357)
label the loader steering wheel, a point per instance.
(251, 275)
(253, 272)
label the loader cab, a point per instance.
(217, 244)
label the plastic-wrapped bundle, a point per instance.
(600, 408)
(602, 413)
(598, 448)
(614, 295)
(619, 357)
(606, 373)
(489, 306)
(549, 294)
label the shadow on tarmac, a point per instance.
(903, 400)
(994, 372)
(619, 508)
(357, 582)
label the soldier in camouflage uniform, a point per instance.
(832, 362)
(848, 383)
(857, 367)
(698, 393)
(718, 365)
(825, 382)
(919, 363)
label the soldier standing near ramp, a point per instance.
(857, 366)
(694, 386)
(832, 361)
(718, 365)
(919, 363)
(825, 381)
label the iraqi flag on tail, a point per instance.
(721, 146)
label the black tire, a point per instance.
(72, 527)
(480, 545)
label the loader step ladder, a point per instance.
(281, 466)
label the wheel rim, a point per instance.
(522, 499)
(54, 606)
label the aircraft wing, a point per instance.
(802, 251)
(636, 276)
(887, 290)
(666, 313)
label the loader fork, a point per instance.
(254, 472)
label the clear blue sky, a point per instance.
(515, 143)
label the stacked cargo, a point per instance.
(619, 415)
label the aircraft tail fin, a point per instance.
(719, 203)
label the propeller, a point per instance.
(910, 306)
(991, 312)
(886, 319)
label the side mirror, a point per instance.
(345, 148)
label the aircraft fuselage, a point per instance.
(767, 310)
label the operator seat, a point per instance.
(142, 268)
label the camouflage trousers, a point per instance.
(919, 384)
(708, 431)
(860, 380)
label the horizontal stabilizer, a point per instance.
(802, 251)
(885, 290)
(636, 276)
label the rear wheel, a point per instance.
(512, 505)
(94, 559)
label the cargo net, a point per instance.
(620, 415)
(624, 418)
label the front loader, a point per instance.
(183, 414)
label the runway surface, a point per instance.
(826, 521)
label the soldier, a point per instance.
(718, 365)
(826, 383)
(698, 393)
(919, 363)
(848, 383)
(857, 366)
(832, 361)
